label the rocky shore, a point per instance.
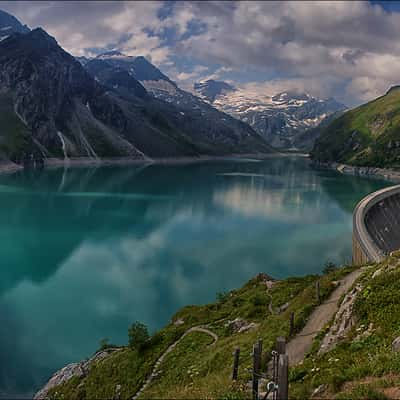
(370, 172)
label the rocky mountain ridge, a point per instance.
(51, 106)
(282, 119)
(217, 128)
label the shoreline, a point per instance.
(387, 174)
(11, 167)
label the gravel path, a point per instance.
(302, 342)
(155, 372)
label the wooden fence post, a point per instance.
(291, 324)
(281, 345)
(256, 370)
(236, 355)
(260, 348)
(283, 377)
(317, 292)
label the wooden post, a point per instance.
(317, 292)
(291, 324)
(256, 370)
(260, 348)
(283, 377)
(236, 355)
(281, 345)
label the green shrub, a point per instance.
(329, 267)
(258, 300)
(222, 296)
(138, 335)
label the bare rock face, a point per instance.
(53, 107)
(342, 323)
(240, 325)
(179, 321)
(266, 279)
(70, 371)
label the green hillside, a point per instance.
(362, 365)
(368, 135)
(194, 369)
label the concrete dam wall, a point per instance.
(376, 225)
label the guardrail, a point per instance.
(365, 249)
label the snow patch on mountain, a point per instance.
(279, 118)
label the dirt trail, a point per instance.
(154, 373)
(302, 342)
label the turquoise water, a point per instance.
(85, 252)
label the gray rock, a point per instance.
(79, 370)
(342, 323)
(240, 325)
(396, 344)
(377, 273)
(283, 307)
(320, 389)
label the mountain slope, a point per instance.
(213, 131)
(305, 140)
(368, 135)
(56, 100)
(210, 89)
(9, 25)
(52, 107)
(281, 119)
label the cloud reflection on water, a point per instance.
(78, 268)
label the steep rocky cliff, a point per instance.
(52, 107)
(214, 131)
(283, 120)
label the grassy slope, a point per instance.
(368, 135)
(366, 367)
(192, 369)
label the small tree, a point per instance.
(104, 343)
(329, 267)
(138, 335)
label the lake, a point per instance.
(85, 252)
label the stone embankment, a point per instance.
(371, 172)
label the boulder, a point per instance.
(240, 325)
(396, 344)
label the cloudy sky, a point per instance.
(350, 50)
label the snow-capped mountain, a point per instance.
(135, 78)
(210, 90)
(280, 119)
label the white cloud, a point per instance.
(349, 49)
(78, 26)
(310, 41)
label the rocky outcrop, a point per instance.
(343, 321)
(381, 173)
(240, 325)
(79, 370)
